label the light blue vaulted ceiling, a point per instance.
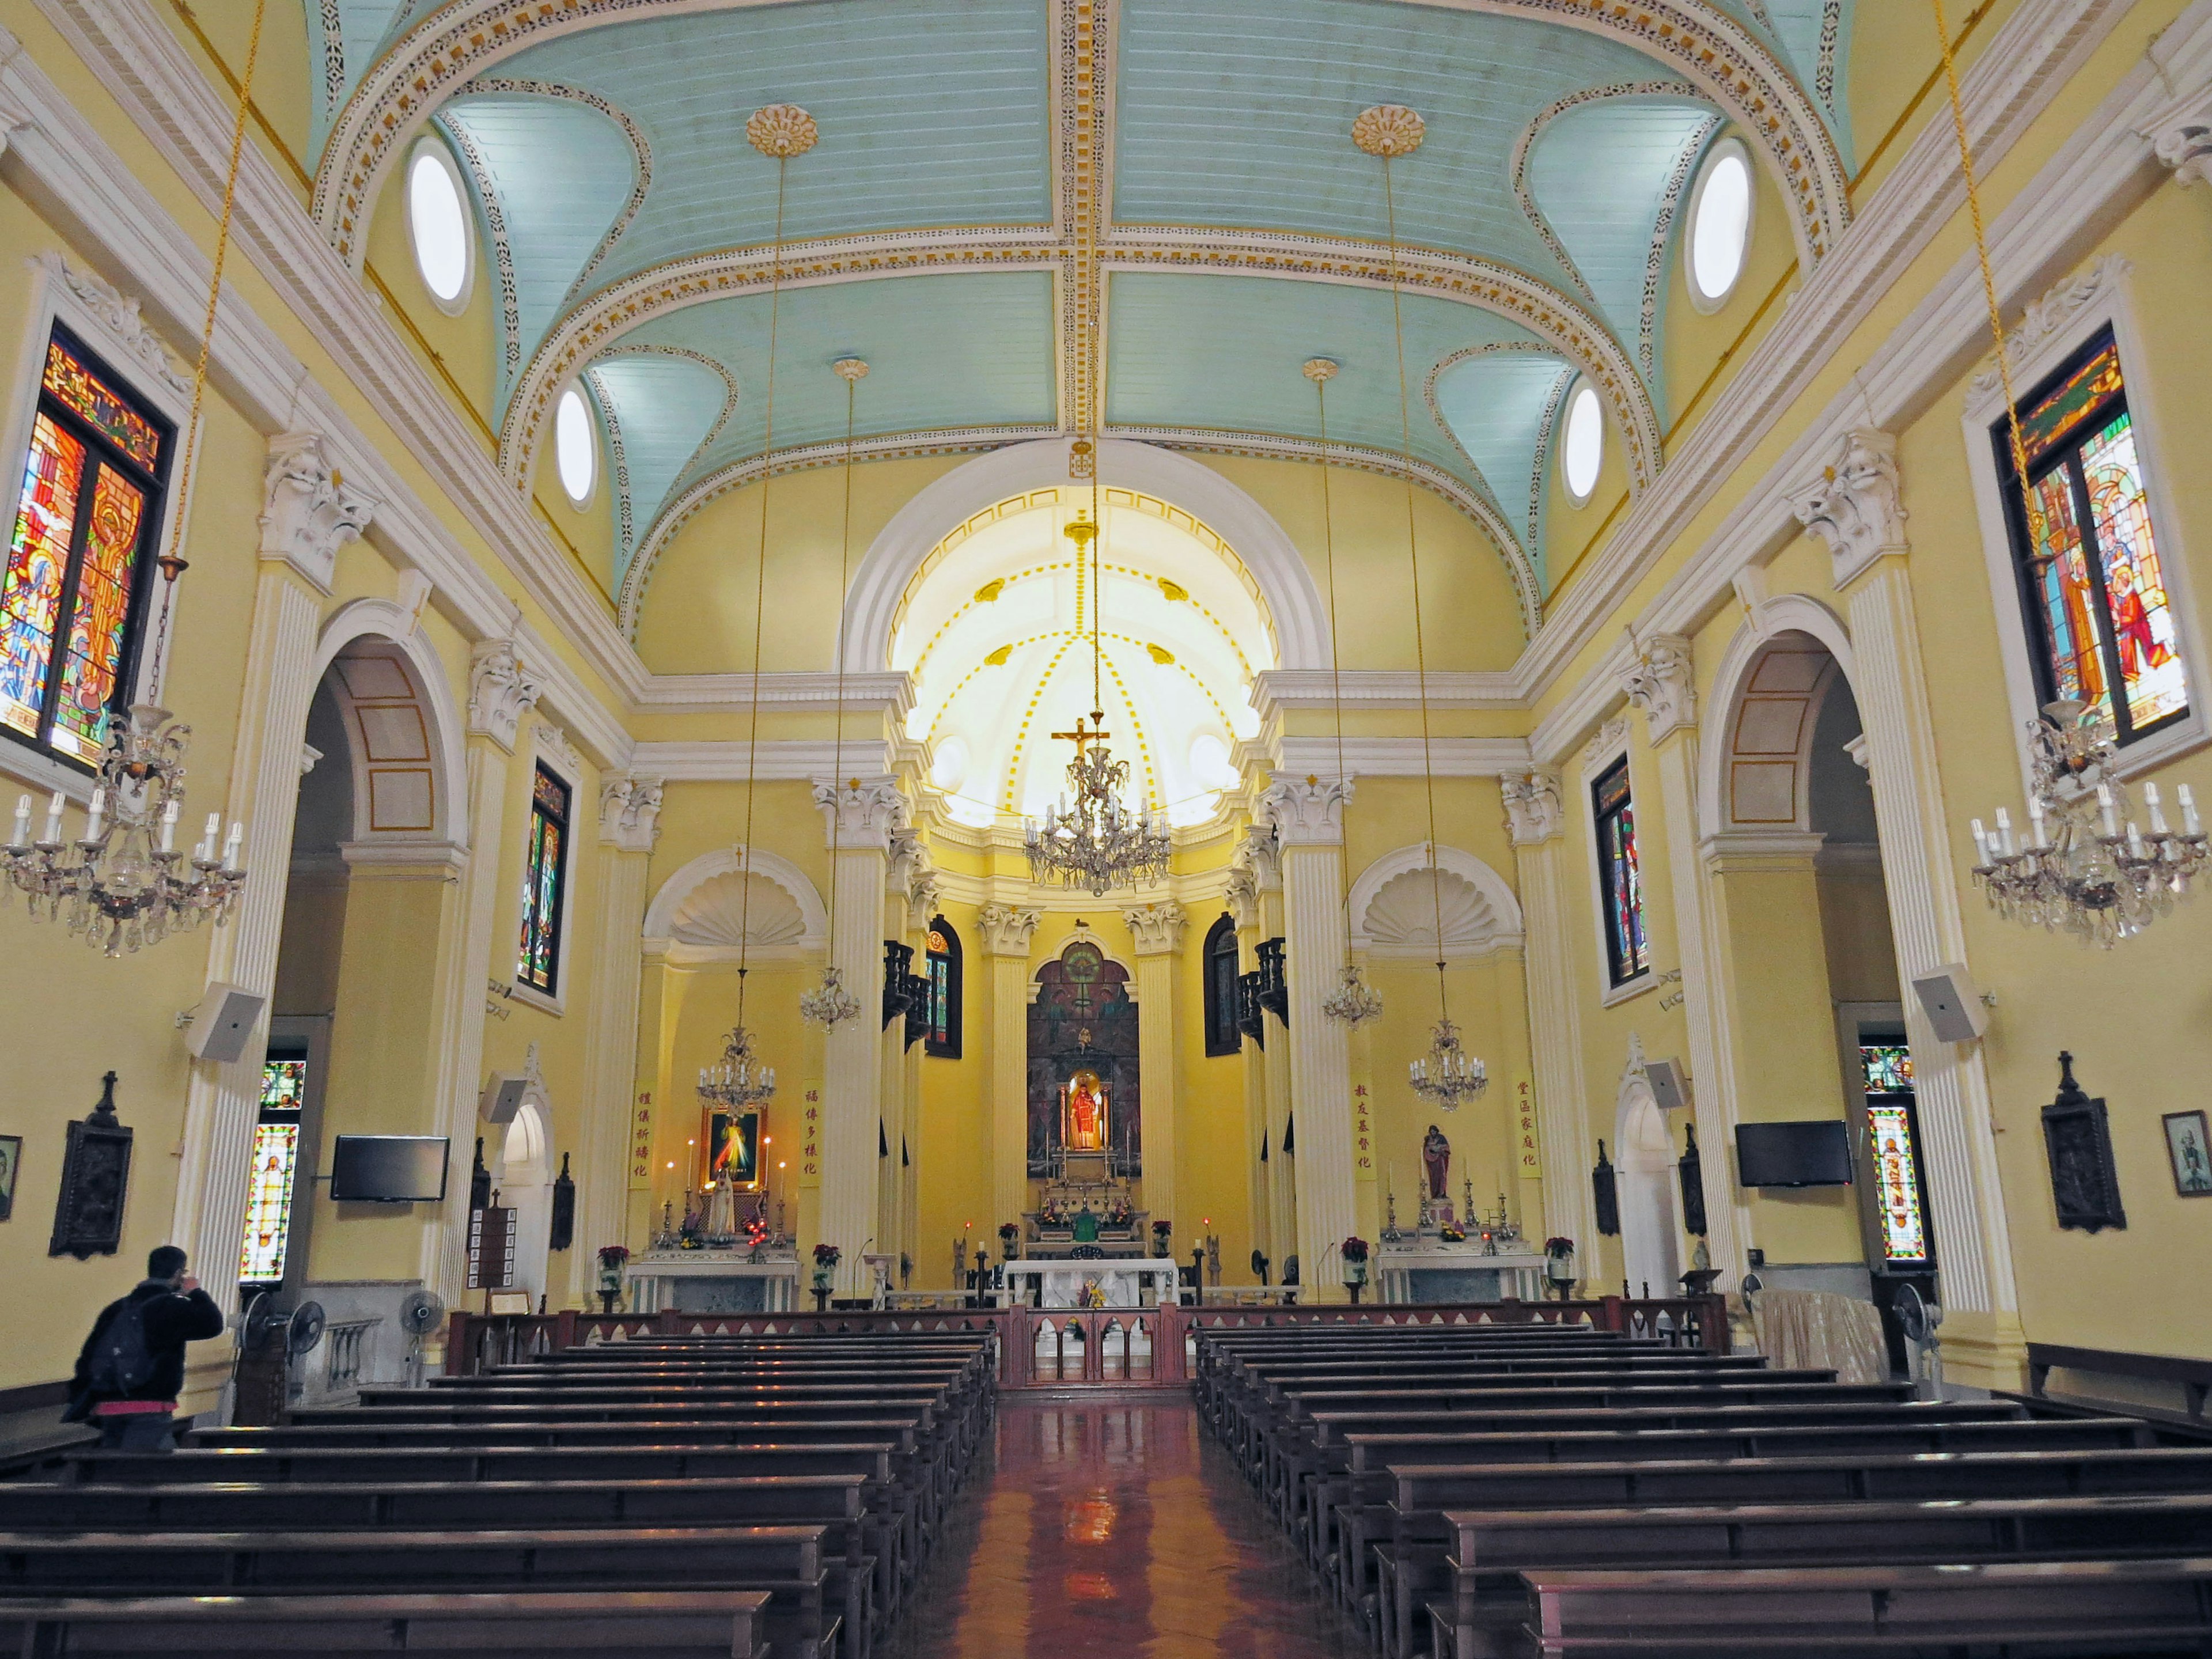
(623, 218)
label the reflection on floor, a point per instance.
(1111, 1529)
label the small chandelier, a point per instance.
(1356, 1001)
(124, 884)
(828, 1005)
(2087, 868)
(737, 1080)
(1094, 841)
(1447, 1076)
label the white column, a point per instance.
(1267, 858)
(1006, 932)
(1308, 819)
(308, 514)
(861, 813)
(501, 691)
(1659, 682)
(1243, 898)
(1536, 814)
(1158, 929)
(629, 809)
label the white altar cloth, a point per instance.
(1126, 1282)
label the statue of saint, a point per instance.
(1436, 1158)
(1083, 1126)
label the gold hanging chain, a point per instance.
(1321, 371)
(1413, 556)
(844, 563)
(173, 564)
(2035, 518)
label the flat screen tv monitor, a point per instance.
(1811, 1154)
(388, 1169)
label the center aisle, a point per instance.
(1112, 1528)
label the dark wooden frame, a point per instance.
(2203, 1135)
(2085, 1189)
(955, 988)
(1224, 1033)
(14, 1176)
(95, 1182)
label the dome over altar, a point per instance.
(996, 630)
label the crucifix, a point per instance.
(1080, 736)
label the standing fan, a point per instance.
(420, 1313)
(1918, 1317)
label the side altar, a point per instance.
(1456, 1256)
(724, 1257)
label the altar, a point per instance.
(1100, 1283)
(765, 1280)
(1430, 1270)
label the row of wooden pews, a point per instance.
(743, 1498)
(1470, 1490)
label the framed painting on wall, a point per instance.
(11, 1159)
(2188, 1148)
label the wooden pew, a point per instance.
(716, 1624)
(2052, 1610)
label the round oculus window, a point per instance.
(438, 225)
(1720, 224)
(575, 450)
(1582, 451)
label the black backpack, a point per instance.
(121, 1362)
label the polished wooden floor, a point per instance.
(1112, 1528)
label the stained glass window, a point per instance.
(69, 603)
(2092, 580)
(1223, 1036)
(943, 1038)
(268, 1235)
(544, 880)
(1887, 1067)
(1620, 879)
(1897, 1183)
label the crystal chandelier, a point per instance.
(124, 884)
(2087, 867)
(828, 1005)
(736, 1081)
(1356, 1001)
(1093, 841)
(1447, 1076)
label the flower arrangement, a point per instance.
(613, 1256)
(1451, 1235)
(1120, 1214)
(1558, 1247)
(827, 1255)
(1354, 1249)
(1009, 1231)
(1162, 1229)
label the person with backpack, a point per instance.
(132, 1367)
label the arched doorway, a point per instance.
(1650, 1204)
(524, 1178)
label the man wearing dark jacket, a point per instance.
(172, 1310)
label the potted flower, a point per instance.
(1160, 1230)
(1354, 1252)
(611, 1257)
(826, 1257)
(1009, 1234)
(1558, 1264)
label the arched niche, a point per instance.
(1773, 679)
(404, 737)
(701, 914)
(1394, 906)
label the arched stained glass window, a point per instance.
(1620, 877)
(545, 884)
(943, 1037)
(1222, 1034)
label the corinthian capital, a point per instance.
(1007, 930)
(1307, 812)
(1533, 808)
(308, 510)
(630, 813)
(2180, 136)
(501, 692)
(861, 813)
(1854, 505)
(1157, 928)
(1658, 682)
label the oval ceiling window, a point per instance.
(574, 449)
(438, 225)
(1582, 451)
(1720, 224)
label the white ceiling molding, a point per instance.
(887, 691)
(1402, 758)
(788, 761)
(1274, 688)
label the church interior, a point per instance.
(1275, 827)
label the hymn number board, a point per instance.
(491, 1248)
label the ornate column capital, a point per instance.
(501, 692)
(308, 510)
(1307, 812)
(630, 812)
(860, 813)
(2180, 134)
(1854, 506)
(1007, 930)
(1157, 928)
(1659, 682)
(922, 901)
(1261, 854)
(1241, 895)
(1533, 810)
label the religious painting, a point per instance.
(733, 1149)
(11, 1159)
(1083, 1084)
(2188, 1148)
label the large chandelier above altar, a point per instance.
(737, 1081)
(1089, 838)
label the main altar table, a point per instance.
(1125, 1283)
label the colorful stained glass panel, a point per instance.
(2151, 672)
(283, 1085)
(2051, 421)
(84, 391)
(38, 564)
(551, 793)
(1897, 1184)
(2068, 597)
(1887, 1067)
(269, 1202)
(1620, 875)
(539, 958)
(99, 617)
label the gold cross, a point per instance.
(1080, 736)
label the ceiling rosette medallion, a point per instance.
(781, 131)
(1388, 130)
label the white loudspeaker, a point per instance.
(1669, 1086)
(219, 1026)
(1954, 1006)
(502, 1097)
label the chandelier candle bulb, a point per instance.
(53, 838)
(22, 835)
(231, 844)
(2157, 812)
(2106, 807)
(169, 829)
(2035, 835)
(98, 810)
(2189, 823)
(1981, 842)
(2004, 832)
(2135, 841)
(207, 836)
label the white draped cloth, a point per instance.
(1820, 1330)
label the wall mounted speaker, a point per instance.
(219, 1027)
(1954, 1006)
(1670, 1085)
(502, 1097)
